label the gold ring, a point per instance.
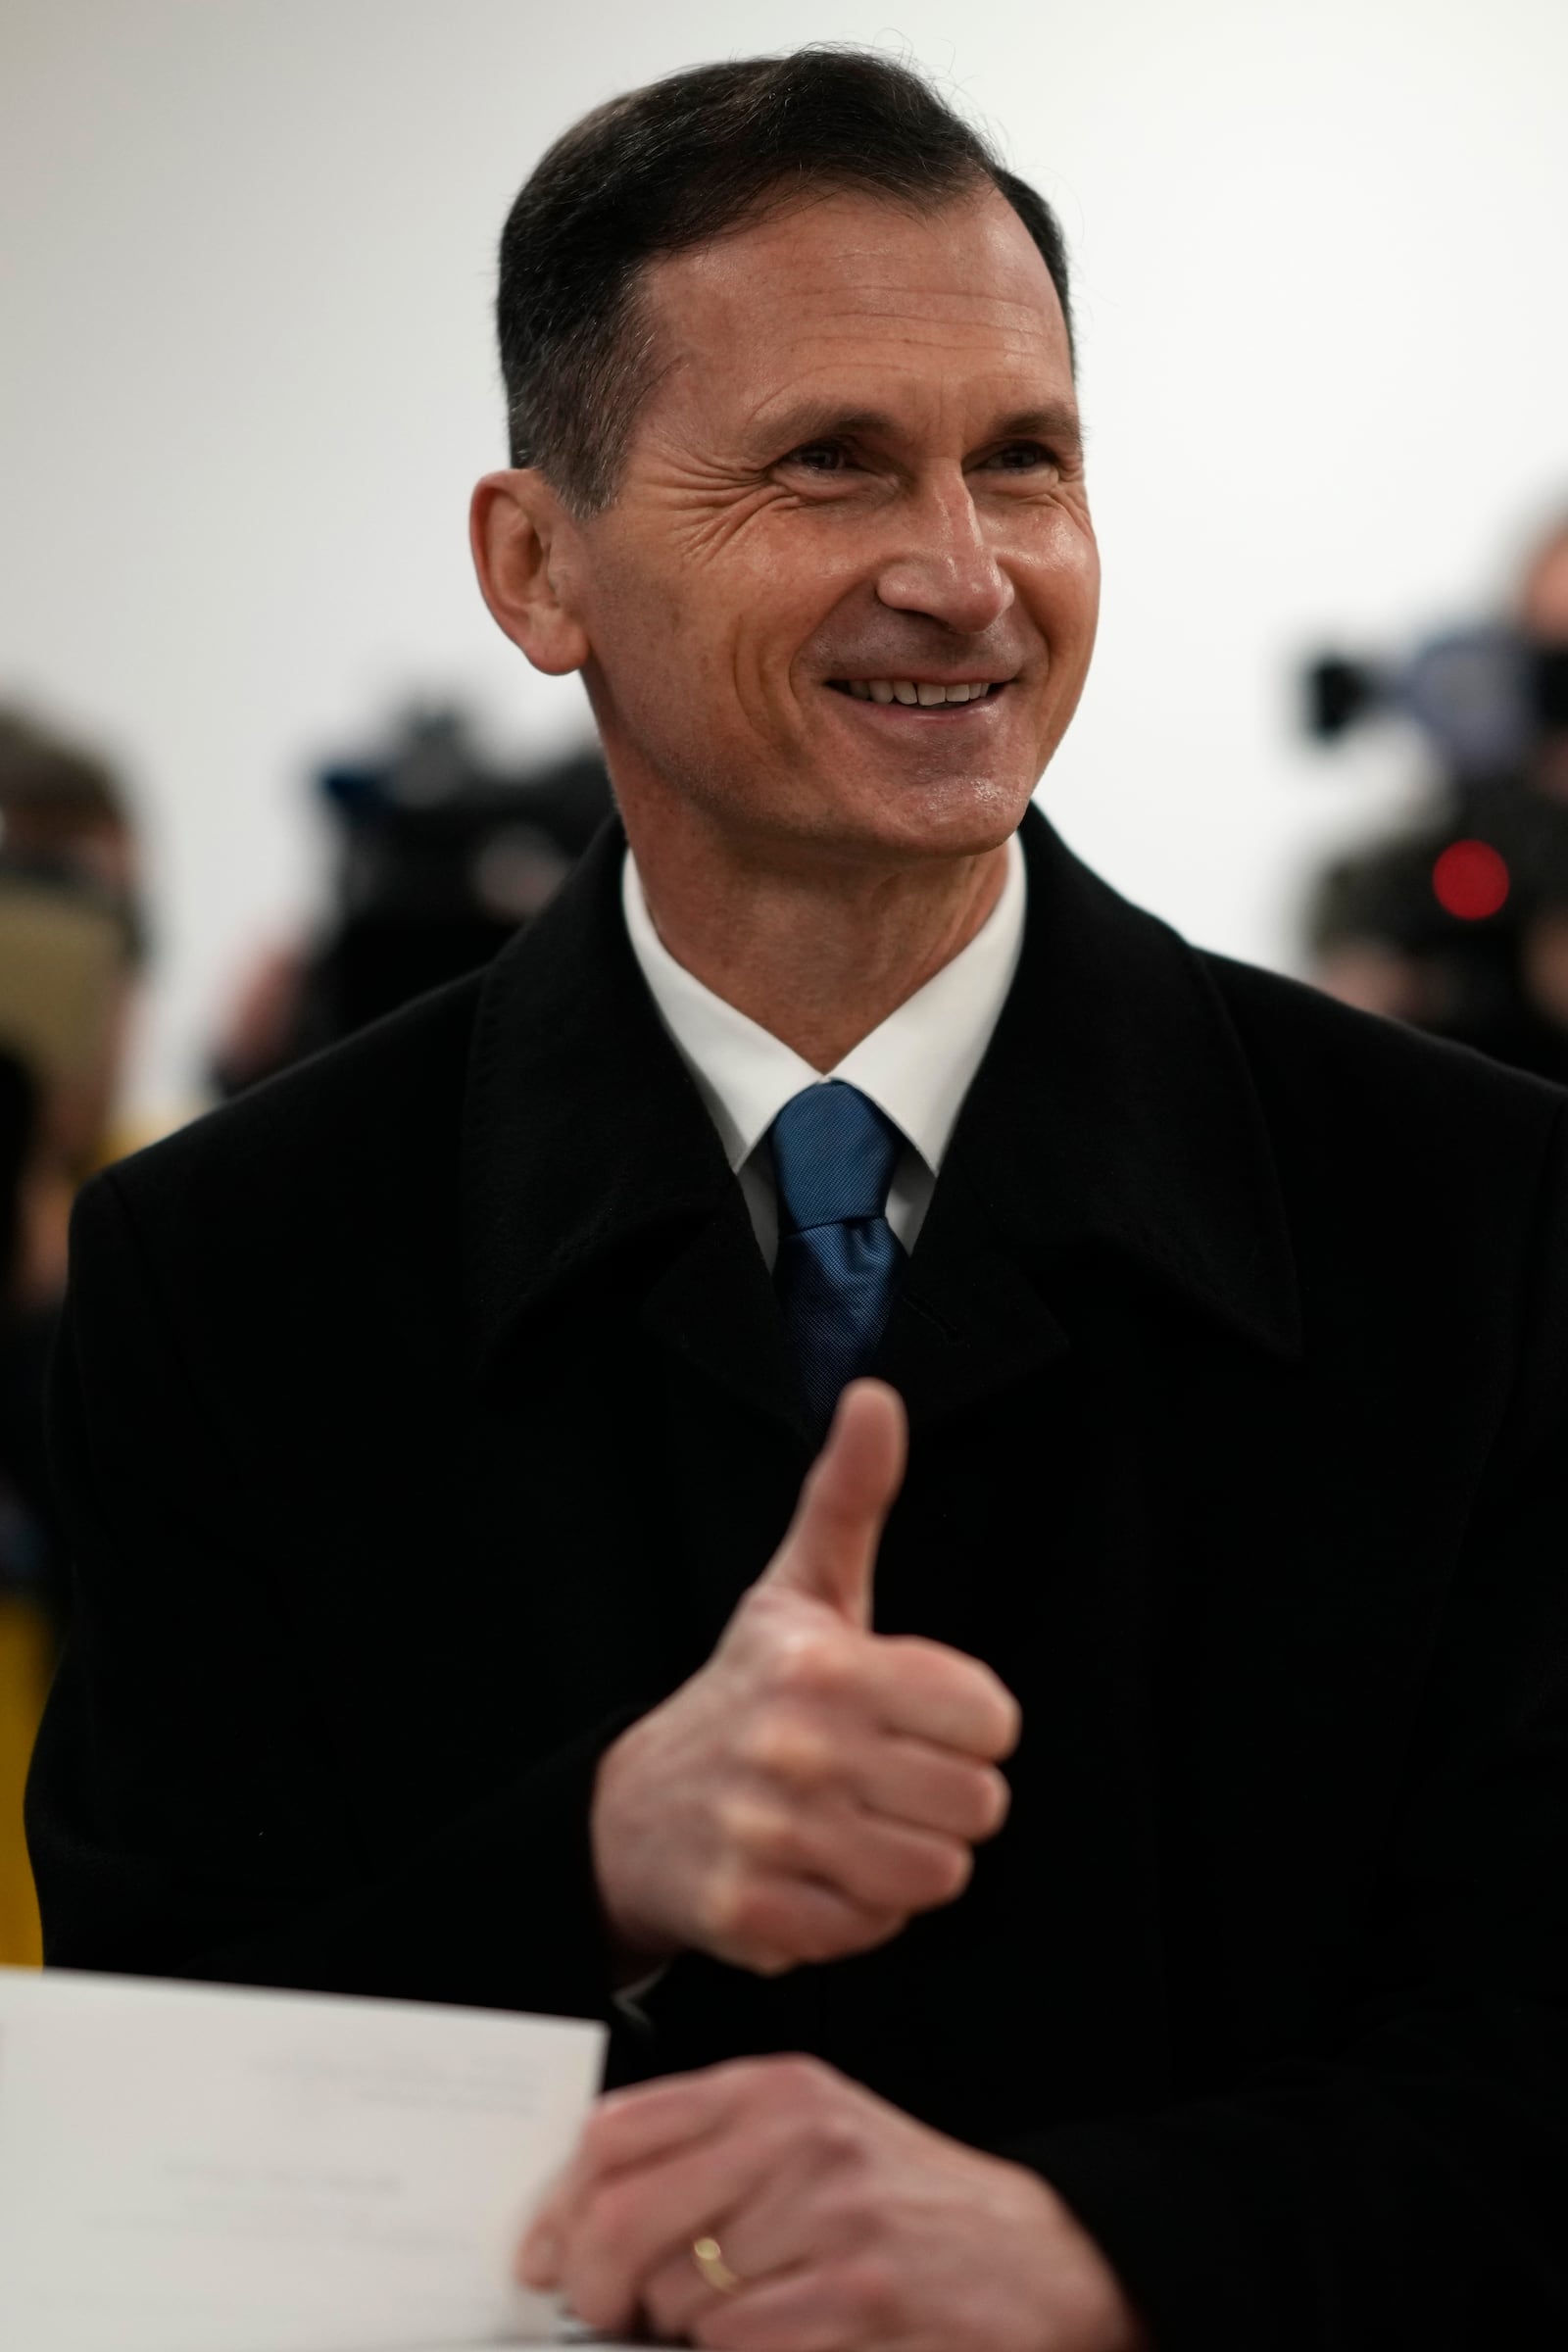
(712, 2268)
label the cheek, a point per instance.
(695, 662)
(1059, 585)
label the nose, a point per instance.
(944, 565)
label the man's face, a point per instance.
(857, 478)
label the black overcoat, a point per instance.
(422, 1416)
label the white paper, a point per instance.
(195, 2169)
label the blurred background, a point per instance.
(264, 763)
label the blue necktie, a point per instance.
(839, 1259)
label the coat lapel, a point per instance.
(586, 1142)
(1113, 1112)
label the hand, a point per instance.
(814, 1784)
(850, 2227)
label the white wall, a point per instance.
(247, 380)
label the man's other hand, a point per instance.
(843, 2222)
(814, 1784)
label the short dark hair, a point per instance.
(48, 782)
(673, 166)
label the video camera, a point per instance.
(439, 858)
(1467, 906)
(1483, 698)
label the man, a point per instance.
(452, 1618)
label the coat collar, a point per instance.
(1114, 1108)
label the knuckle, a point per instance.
(837, 2143)
(740, 1821)
(782, 1747)
(751, 2077)
(777, 1844)
(870, 2287)
(802, 2081)
(813, 1660)
(763, 1836)
(764, 1610)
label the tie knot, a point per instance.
(834, 1154)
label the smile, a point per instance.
(922, 692)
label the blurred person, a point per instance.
(73, 944)
(1098, 1884)
(1458, 922)
(439, 860)
(69, 940)
(24, 1528)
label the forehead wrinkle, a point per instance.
(811, 354)
(832, 382)
(860, 284)
(921, 329)
(912, 349)
(853, 313)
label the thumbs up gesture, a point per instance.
(814, 1784)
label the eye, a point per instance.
(1022, 457)
(818, 457)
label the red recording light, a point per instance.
(1470, 880)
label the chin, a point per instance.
(957, 818)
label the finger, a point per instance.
(882, 1866)
(627, 2128)
(676, 2296)
(935, 1788)
(774, 1920)
(836, 2306)
(829, 1551)
(932, 1692)
(636, 2221)
(794, 2217)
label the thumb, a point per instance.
(829, 1552)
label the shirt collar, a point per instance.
(916, 1066)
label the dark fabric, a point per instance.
(424, 1414)
(839, 1259)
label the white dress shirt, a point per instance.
(916, 1066)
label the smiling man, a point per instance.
(1069, 1828)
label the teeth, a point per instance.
(908, 690)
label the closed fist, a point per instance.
(814, 1784)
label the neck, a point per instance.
(816, 951)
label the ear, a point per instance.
(524, 541)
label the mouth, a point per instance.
(922, 694)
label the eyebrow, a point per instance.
(1054, 420)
